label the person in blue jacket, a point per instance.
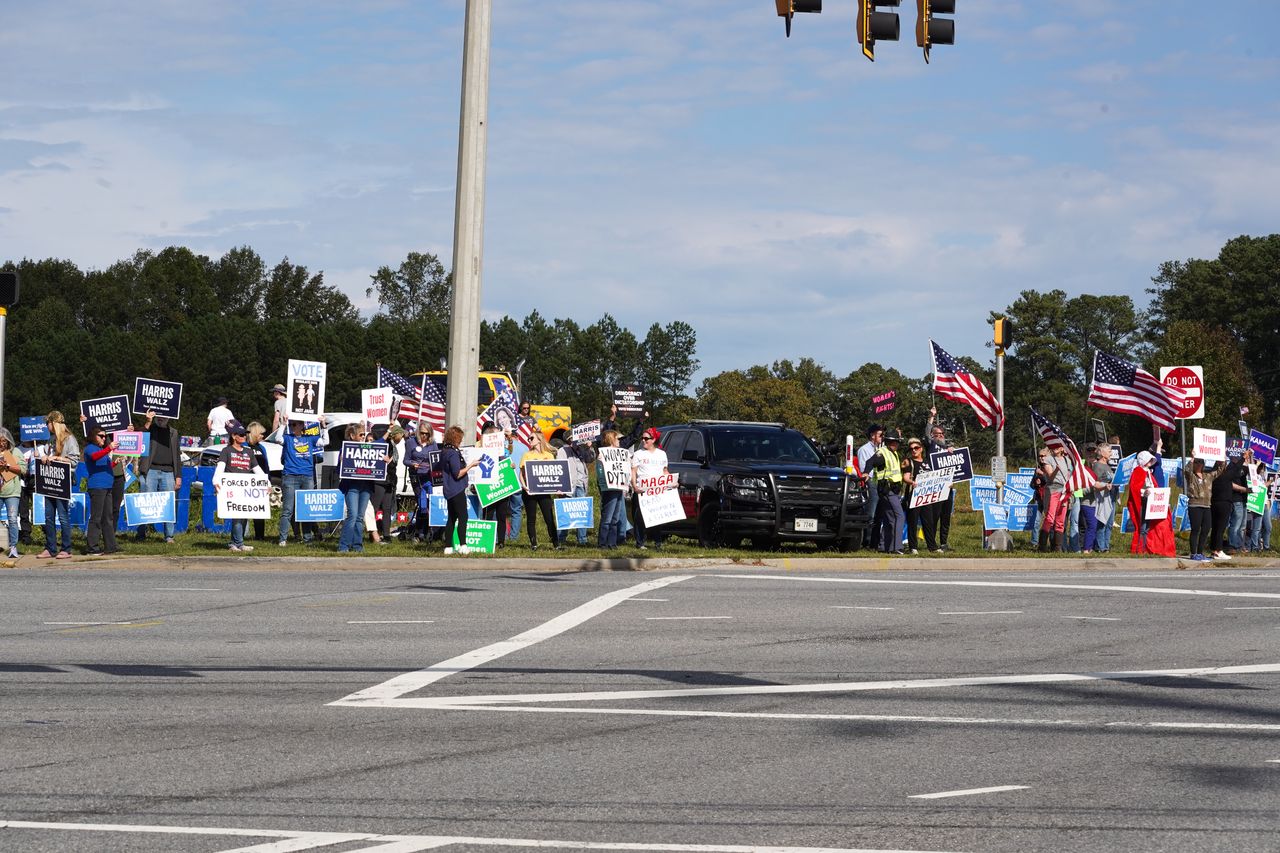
(98, 464)
(298, 471)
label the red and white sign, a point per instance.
(1209, 444)
(1191, 381)
(376, 403)
(1157, 504)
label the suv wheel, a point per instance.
(710, 534)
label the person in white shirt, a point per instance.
(219, 415)
(647, 462)
(875, 438)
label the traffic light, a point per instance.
(787, 8)
(874, 25)
(8, 289)
(931, 30)
(1004, 333)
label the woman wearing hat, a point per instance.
(98, 465)
(236, 458)
(1154, 536)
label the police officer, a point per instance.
(889, 513)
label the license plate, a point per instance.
(806, 525)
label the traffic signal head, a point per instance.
(787, 8)
(8, 289)
(1004, 333)
(874, 25)
(931, 30)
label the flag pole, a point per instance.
(999, 540)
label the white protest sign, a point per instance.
(616, 463)
(655, 485)
(493, 443)
(932, 487)
(376, 403)
(244, 496)
(1210, 444)
(584, 433)
(305, 387)
(1158, 504)
(661, 507)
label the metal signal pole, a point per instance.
(468, 229)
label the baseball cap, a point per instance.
(234, 427)
(278, 388)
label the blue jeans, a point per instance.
(612, 512)
(1259, 533)
(160, 481)
(517, 515)
(1036, 517)
(289, 486)
(578, 492)
(1089, 513)
(1106, 521)
(62, 510)
(357, 501)
(872, 536)
(1235, 529)
(14, 522)
(1073, 526)
(237, 532)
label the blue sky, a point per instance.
(656, 159)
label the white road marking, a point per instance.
(1267, 607)
(856, 607)
(969, 792)
(975, 612)
(391, 622)
(412, 592)
(404, 843)
(88, 623)
(648, 599)
(662, 618)
(447, 702)
(1156, 590)
(186, 589)
(303, 841)
(1273, 760)
(1096, 618)
(411, 681)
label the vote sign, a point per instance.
(34, 428)
(1263, 446)
(629, 399)
(130, 443)
(1190, 380)
(150, 508)
(363, 460)
(505, 484)
(318, 505)
(574, 513)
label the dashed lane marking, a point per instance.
(969, 792)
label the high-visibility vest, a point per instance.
(892, 470)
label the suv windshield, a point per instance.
(763, 445)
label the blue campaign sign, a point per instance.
(318, 505)
(150, 508)
(957, 461)
(1235, 449)
(1124, 470)
(1126, 526)
(1018, 497)
(437, 512)
(360, 460)
(1020, 517)
(79, 512)
(1172, 471)
(1019, 481)
(574, 513)
(1181, 518)
(995, 517)
(1263, 445)
(33, 429)
(980, 496)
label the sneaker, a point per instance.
(234, 548)
(282, 543)
(63, 555)
(13, 553)
(463, 550)
(1219, 555)
(44, 555)
(644, 547)
(448, 552)
(168, 540)
(914, 551)
(246, 547)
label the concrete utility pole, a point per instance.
(468, 228)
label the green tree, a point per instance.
(419, 288)
(756, 395)
(1228, 384)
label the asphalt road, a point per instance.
(722, 706)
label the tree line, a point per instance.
(227, 326)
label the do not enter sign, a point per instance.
(1191, 381)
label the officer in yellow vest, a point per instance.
(889, 512)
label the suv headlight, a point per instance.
(748, 488)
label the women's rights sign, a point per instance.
(1210, 444)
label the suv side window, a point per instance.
(484, 393)
(674, 444)
(696, 445)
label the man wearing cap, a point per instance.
(875, 437)
(298, 471)
(217, 421)
(280, 415)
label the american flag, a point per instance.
(1119, 386)
(1055, 439)
(510, 403)
(417, 402)
(951, 380)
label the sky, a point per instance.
(659, 160)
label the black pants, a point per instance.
(546, 505)
(637, 524)
(117, 498)
(942, 511)
(1200, 522)
(457, 516)
(384, 502)
(501, 513)
(24, 513)
(1221, 511)
(100, 520)
(924, 519)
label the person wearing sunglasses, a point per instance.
(647, 462)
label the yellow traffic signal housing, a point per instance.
(1003, 333)
(931, 30)
(788, 8)
(874, 25)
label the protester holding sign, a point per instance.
(298, 473)
(356, 493)
(938, 443)
(1154, 535)
(455, 489)
(65, 449)
(1097, 496)
(12, 465)
(611, 423)
(1220, 503)
(647, 462)
(613, 489)
(578, 455)
(1054, 528)
(537, 503)
(98, 464)
(1198, 487)
(1259, 507)
(420, 455)
(384, 490)
(161, 469)
(920, 518)
(500, 510)
(236, 458)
